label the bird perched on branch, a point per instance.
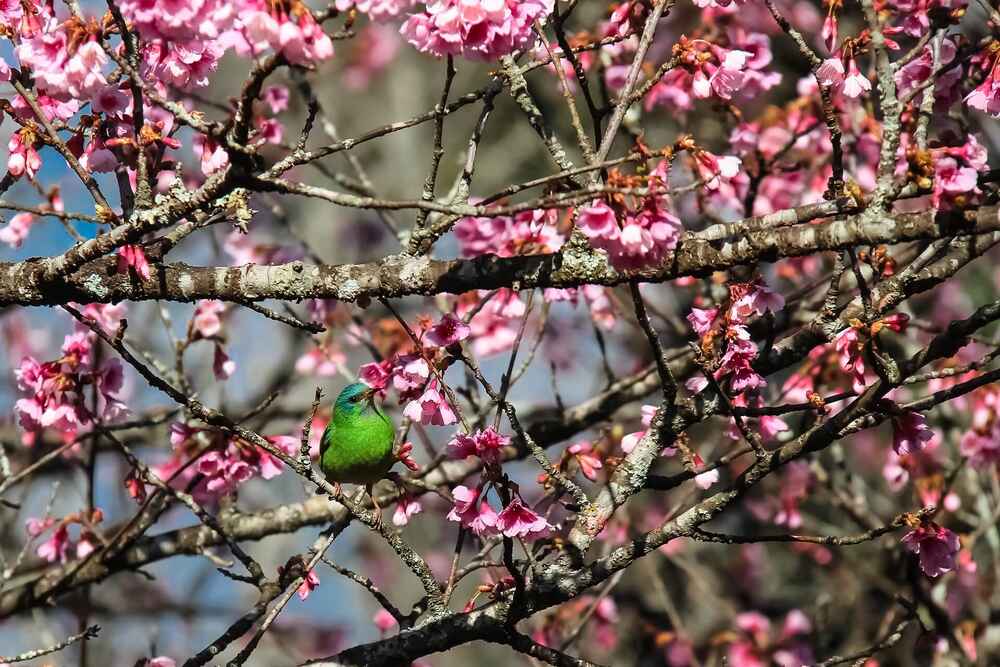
(357, 445)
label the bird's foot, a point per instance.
(378, 524)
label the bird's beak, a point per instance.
(368, 395)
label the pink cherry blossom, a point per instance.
(637, 235)
(207, 320)
(56, 391)
(268, 464)
(184, 65)
(36, 527)
(213, 156)
(982, 448)
(409, 374)
(405, 456)
(986, 96)
(709, 69)
(23, 158)
(475, 29)
(378, 10)
(406, 507)
(704, 479)
(463, 445)
(161, 661)
(729, 77)
(755, 299)
(135, 487)
(597, 220)
(325, 360)
(86, 545)
(701, 319)
(97, 157)
(276, 98)
(531, 232)
(855, 83)
(516, 520)
(56, 548)
(849, 345)
(377, 375)
(795, 485)
(487, 444)
(586, 458)
(285, 27)
(756, 645)
(51, 107)
(472, 511)
(133, 258)
(232, 461)
(632, 439)
(268, 130)
(308, 585)
(448, 331)
(935, 545)
(909, 433)
(82, 73)
(16, 229)
(494, 327)
(431, 408)
(384, 621)
(711, 168)
(180, 20)
(831, 73)
(922, 68)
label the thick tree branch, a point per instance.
(401, 275)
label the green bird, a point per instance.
(357, 445)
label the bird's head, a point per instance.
(355, 398)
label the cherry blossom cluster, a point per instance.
(474, 511)
(986, 96)
(635, 232)
(74, 392)
(378, 10)
(527, 233)
(472, 507)
(757, 643)
(949, 171)
(189, 38)
(409, 372)
(486, 444)
(981, 443)
(705, 69)
(537, 232)
(924, 470)
(858, 341)
(725, 339)
(935, 545)
(216, 464)
(59, 546)
(475, 30)
(182, 42)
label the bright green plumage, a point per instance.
(357, 443)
